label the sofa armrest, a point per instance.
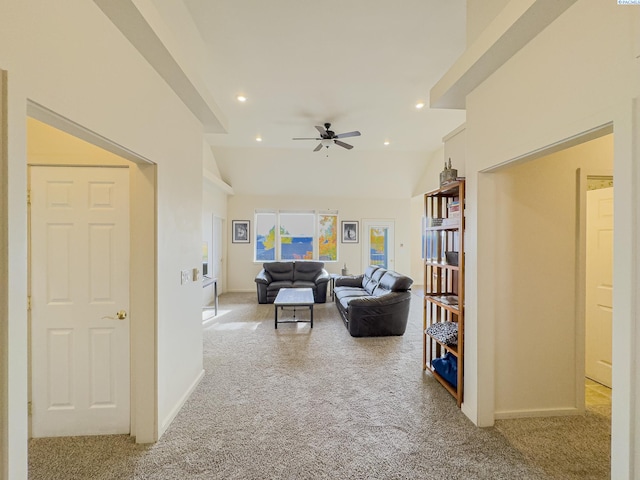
(263, 277)
(322, 277)
(349, 281)
(379, 316)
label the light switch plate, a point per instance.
(185, 277)
(196, 274)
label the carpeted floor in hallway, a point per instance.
(301, 403)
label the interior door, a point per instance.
(599, 285)
(79, 270)
(379, 243)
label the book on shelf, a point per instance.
(451, 221)
(451, 300)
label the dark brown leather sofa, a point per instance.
(375, 303)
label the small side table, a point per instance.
(332, 284)
(206, 281)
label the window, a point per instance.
(297, 231)
(265, 237)
(296, 235)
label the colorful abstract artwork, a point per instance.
(328, 238)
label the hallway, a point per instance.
(298, 403)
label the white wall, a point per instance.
(480, 13)
(536, 321)
(214, 204)
(68, 57)
(578, 74)
(187, 40)
(336, 173)
(430, 178)
(47, 145)
(417, 212)
(242, 207)
(454, 148)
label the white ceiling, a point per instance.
(359, 64)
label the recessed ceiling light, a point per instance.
(241, 98)
(386, 142)
(258, 138)
(419, 105)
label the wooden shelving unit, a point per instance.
(444, 279)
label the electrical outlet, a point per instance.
(185, 277)
(196, 274)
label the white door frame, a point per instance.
(4, 280)
(143, 273)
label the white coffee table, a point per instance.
(294, 297)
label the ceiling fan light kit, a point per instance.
(328, 137)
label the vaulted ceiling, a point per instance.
(358, 64)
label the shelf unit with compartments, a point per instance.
(443, 315)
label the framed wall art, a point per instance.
(240, 231)
(350, 232)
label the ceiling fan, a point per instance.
(327, 137)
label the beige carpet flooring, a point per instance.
(301, 403)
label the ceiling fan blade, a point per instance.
(348, 134)
(321, 130)
(319, 147)
(342, 144)
(307, 138)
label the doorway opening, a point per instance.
(212, 258)
(54, 140)
(596, 227)
(378, 236)
(540, 253)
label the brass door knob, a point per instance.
(120, 315)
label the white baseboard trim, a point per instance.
(174, 412)
(209, 320)
(551, 412)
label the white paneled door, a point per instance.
(79, 266)
(599, 285)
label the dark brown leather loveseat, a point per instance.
(299, 274)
